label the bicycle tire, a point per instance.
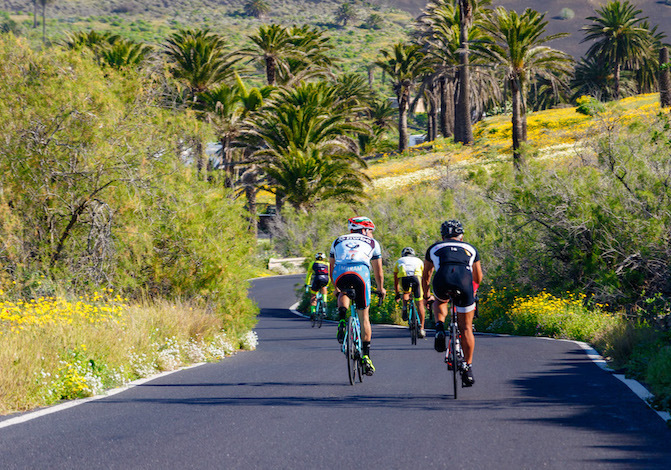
(454, 356)
(359, 369)
(350, 353)
(414, 324)
(313, 319)
(321, 311)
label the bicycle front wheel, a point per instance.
(351, 353)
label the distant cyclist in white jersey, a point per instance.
(408, 280)
(351, 259)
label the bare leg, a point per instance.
(467, 337)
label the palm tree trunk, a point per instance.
(44, 22)
(446, 107)
(271, 70)
(519, 124)
(664, 78)
(463, 130)
(616, 82)
(431, 113)
(403, 120)
(250, 194)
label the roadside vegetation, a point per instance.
(134, 168)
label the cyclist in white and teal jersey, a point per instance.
(351, 259)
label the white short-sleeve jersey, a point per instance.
(355, 248)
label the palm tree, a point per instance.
(123, 54)
(312, 175)
(517, 46)
(44, 4)
(664, 78)
(228, 107)
(91, 39)
(198, 59)
(300, 121)
(440, 28)
(345, 13)
(307, 56)
(404, 64)
(273, 44)
(256, 8)
(620, 38)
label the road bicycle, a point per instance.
(352, 345)
(320, 311)
(454, 355)
(413, 320)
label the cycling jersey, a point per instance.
(355, 248)
(319, 272)
(453, 261)
(409, 270)
(408, 266)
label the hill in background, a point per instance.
(657, 11)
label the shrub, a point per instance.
(589, 105)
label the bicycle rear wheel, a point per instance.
(321, 313)
(414, 323)
(454, 357)
(350, 353)
(313, 319)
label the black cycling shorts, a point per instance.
(455, 281)
(411, 284)
(318, 282)
(351, 280)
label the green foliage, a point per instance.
(589, 106)
(95, 189)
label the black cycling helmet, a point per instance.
(320, 256)
(407, 251)
(451, 229)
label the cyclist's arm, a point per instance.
(307, 278)
(379, 274)
(331, 266)
(396, 282)
(426, 276)
(477, 272)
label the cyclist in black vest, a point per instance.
(317, 279)
(457, 266)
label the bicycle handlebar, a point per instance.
(380, 297)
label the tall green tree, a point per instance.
(198, 59)
(272, 45)
(404, 64)
(517, 47)
(306, 122)
(440, 28)
(256, 8)
(345, 13)
(619, 38)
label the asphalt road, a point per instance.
(536, 404)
